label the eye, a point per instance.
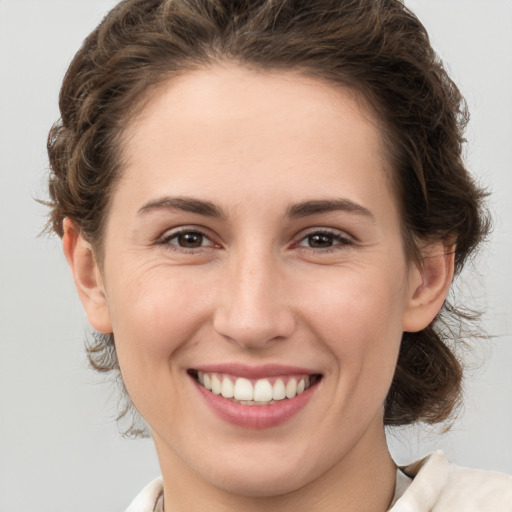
(187, 239)
(324, 239)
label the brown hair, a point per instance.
(375, 47)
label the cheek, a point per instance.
(155, 319)
(358, 301)
(153, 309)
(359, 319)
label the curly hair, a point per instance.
(375, 47)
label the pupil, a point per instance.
(320, 241)
(190, 240)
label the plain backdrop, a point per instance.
(59, 446)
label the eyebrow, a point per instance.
(303, 209)
(185, 204)
(327, 205)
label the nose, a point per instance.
(254, 307)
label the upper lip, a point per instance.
(254, 372)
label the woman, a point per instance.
(263, 205)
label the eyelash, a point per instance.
(167, 238)
(338, 240)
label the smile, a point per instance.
(255, 397)
(264, 391)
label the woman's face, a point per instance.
(253, 241)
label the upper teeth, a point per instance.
(261, 390)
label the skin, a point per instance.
(256, 290)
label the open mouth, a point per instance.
(263, 391)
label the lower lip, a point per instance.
(255, 416)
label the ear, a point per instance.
(86, 274)
(429, 282)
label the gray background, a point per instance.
(59, 448)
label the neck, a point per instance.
(363, 481)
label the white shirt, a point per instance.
(441, 486)
(432, 484)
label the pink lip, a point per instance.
(255, 416)
(255, 372)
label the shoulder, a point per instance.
(441, 486)
(148, 498)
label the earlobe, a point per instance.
(87, 277)
(429, 283)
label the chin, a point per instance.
(263, 472)
(260, 482)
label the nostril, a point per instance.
(255, 329)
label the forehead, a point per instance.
(260, 127)
(227, 92)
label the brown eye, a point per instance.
(325, 240)
(190, 239)
(186, 239)
(320, 240)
